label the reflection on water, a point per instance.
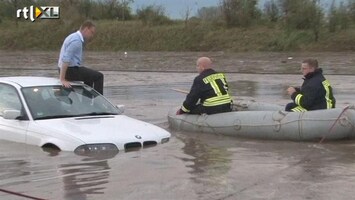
(30, 171)
(79, 180)
(243, 88)
(209, 165)
(84, 178)
(205, 158)
(165, 92)
(142, 92)
(12, 169)
(253, 169)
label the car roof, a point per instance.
(31, 81)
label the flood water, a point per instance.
(190, 165)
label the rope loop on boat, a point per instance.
(335, 122)
(237, 124)
(277, 117)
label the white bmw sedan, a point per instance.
(39, 111)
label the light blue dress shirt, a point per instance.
(72, 50)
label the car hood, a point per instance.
(118, 129)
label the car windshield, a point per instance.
(48, 102)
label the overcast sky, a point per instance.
(176, 9)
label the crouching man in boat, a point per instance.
(315, 92)
(209, 92)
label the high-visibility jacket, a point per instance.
(314, 94)
(210, 89)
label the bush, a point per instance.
(291, 41)
(153, 15)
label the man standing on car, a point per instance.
(70, 59)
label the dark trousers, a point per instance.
(290, 106)
(200, 109)
(92, 78)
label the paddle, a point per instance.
(240, 98)
(179, 90)
(239, 102)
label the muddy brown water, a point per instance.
(190, 165)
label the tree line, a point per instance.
(293, 22)
(300, 14)
(290, 14)
(90, 9)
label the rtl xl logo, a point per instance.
(42, 12)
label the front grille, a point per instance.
(148, 144)
(133, 146)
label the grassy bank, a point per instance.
(193, 36)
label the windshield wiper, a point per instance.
(96, 114)
(54, 117)
(79, 115)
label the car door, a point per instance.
(12, 129)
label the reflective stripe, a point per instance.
(224, 81)
(216, 89)
(298, 99)
(326, 86)
(185, 109)
(298, 109)
(219, 100)
(217, 103)
(213, 77)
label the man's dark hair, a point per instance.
(87, 24)
(311, 62)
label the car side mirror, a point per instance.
(120, 109)
(11, 114)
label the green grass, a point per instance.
(178, 36)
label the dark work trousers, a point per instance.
(92, 78)
(290, 106)
(211, 110)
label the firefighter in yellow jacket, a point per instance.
(209, 92)
(315, 92)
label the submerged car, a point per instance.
(40, 111)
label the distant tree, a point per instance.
(316, 13)
(344, 16)
(187, 14)
(352, 10)
(126, 9)
(110, 9)
(94, 9)
(339, 16)
(271, 11)
(86, 7)
(332, 18)
(8, 8)
(105, 9)
(240, 13)
(153, 15)
(209, 13)
(301, 14)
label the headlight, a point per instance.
(164, 140)
(96, 150)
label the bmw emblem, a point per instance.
(138, 137)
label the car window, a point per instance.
(9, 98)
(56, 102)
